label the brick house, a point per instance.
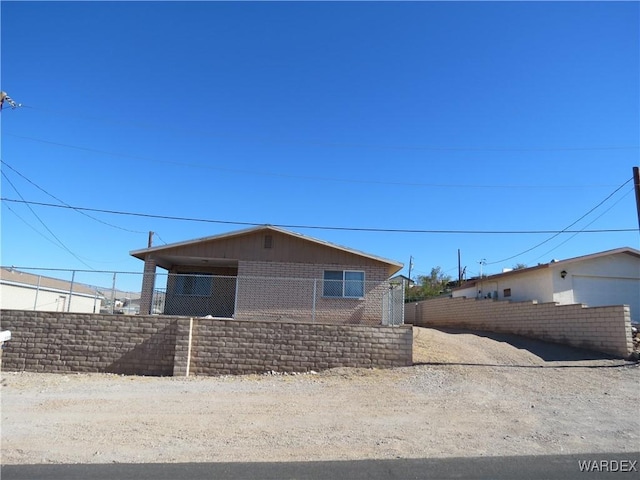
(270, 273)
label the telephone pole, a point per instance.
(410, 266)
(482, 262)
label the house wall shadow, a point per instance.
(153, 357)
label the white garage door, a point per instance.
(602, 291)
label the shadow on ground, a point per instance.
(549, 352)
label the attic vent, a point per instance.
(268, 241)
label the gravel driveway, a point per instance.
(466, 395)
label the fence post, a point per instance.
(35, 301)
(402, 292)
(113, 292)
(391, 320)
(235, 299)
(315, 293)
(73, 277)
(189, 347)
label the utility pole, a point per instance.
(481, 291)
(636, 185)
(482, 262)
(459, 270)
(410, 267)
(150, 242)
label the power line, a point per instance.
(286, 175)
(49, 240)
(326, 144)
(160, 238)
(317, 227)
(565, 230)
(32, 227)
(590, 223)
(44, 224)
(65, 203)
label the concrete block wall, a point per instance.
(73, 342)
(602, 329)
(231, 347)
(166, 345)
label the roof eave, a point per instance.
(142, 253)
(627, 250)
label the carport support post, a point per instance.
(148, 284)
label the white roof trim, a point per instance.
(552, 264)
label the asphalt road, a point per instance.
(561, 467)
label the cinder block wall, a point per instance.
(165, 345)
(602, 329)
(74, 342)
(229, 347)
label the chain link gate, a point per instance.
(393, 305)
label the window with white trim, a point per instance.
(343, 283)
(197, 285)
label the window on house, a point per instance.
(506, 292)
(198, 285)
(343, 283)
(268, 241)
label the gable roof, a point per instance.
(402, 278)
(141, 253)
(11, 276)
(553, 263)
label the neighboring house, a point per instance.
(402, 280)
(27, 291)
(600, 279)
(268, 272)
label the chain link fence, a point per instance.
(251, 298)
(79, 291)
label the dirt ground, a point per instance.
(466, 395)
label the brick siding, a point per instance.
(258, 300)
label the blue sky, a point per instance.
(465, 116)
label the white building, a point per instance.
(600, 279)
(26, 291)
